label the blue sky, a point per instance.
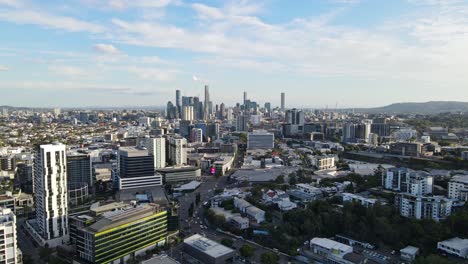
(354, 53)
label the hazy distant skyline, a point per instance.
(354, 53)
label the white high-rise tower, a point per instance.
(51, 199)
(157, 148)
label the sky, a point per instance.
(345, 53)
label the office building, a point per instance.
(188, 113)
(50, 191)
(268, 107)
(24, 177)
(207, 251)
(171, 111)
(242, 123)
(423, 207)
(179, 174)
(362, 132)
(207, 110)
(212, 131)
(222, 111)
(349, 133)
(295, 117)
(260, 140)
(245, 99)
(9, 251)
(184, 128)
(157, 148)
(408, 181)
(120, 235)
(458, 188)
(178, 103)
(79, 169)
(196, 136)
(283, 102)
(454, 246)
(136, 169)
(177, 151)
(406, 149)
(229, 114)
(381, 129)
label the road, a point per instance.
(193, 225)
(25, 242)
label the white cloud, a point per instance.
(417, 46)
(66, 70)
(124, 4)
(155, 74)
(106, 48)
(207, 12)
(13, 3)
(49, 21)
(3, 68)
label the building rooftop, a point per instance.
(410, 250)
(460, 178)
(456, 242)
(100, 209)
(331, 244)
(207, 246)
(119, 217)
(160, 259)
(177, 169)
(133, 151)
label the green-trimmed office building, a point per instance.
(121, 234)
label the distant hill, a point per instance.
(432, 107)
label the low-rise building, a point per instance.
(239, 222)
(255, 214)
(309, 189)
(251, 211)
(207, 251)
(351, 197)
(329, 250)
(179, 174)
(454, 246)
(223, 165)
(323, 162)
(409, 253)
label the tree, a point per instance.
(190, 210)
(269, 258)
(45, 252)
(432, 259)
(279, 179)
(227, 242)
(292, 179)
(246, 251)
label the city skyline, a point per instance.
(354, 53)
